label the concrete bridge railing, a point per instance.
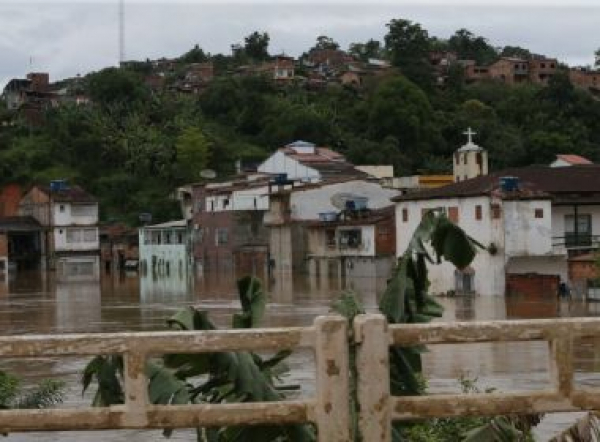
(329, 408)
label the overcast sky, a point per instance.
(67, 38)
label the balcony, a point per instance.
(579, 241)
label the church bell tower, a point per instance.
(470, 160)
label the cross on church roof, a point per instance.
(469, 133)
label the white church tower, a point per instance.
(470, 161)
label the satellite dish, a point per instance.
(208, 174)
(338, 200)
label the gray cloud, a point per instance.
(69, 38)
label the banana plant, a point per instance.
(224, 377)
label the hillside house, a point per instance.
(69, 219)
(541, 69)
(585, 79)
(510, 70)
(566, 160)
(305, 161)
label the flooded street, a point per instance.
(35, 304)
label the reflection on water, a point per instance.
(36, 303)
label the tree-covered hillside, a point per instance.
(132, 146)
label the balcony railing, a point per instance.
(577, 241)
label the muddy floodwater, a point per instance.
(34, 303)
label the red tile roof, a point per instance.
(577, 183)
(573, 159)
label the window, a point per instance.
(478, 213)
(83, 210)
(542, 65)
(464, 158)
(539, 213)
(350, 239)
(221, 236)
(453, 214)
(330, 238)
(496, 211)
(180, 238)
(405, 215)
(552, 65)
(578, 232)
(89, 235)
(82, 268)
(61, 208)
(81, 235)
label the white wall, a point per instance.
(526, 234)
(78, 268)
(251, 199)
(69, 214)
(174, 254)
(81, 239)
(489, 269)
(279, 162)
(307, 204)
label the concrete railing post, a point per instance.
(561, 364)
(332, 408)
(373, 371)
(136, 387)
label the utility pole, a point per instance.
(121, 31)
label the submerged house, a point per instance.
(530, 219)
(68, 216)
(316, 225)
(163, 248)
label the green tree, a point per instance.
(515, 51)
(325, 42)
(193, 153)
(471, 47)
(408, 46)
(400, 109)
(194, 55)
(112, 85)
(256, 45)
(364, 51)
(597, 58)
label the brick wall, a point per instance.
(3, 245)
(532, 285)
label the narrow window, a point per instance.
(453, 214)
(405, 215)
(496, 212)
(539, 213)
(478, 213)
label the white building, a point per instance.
(531, 220)
(69, 216)
(305, 161)
(163, 248)
(294, 207)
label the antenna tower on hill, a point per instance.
(121, 31)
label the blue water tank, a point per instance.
(281, 178)
(58, 185)
(509, 183)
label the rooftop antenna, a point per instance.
(121, 31)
